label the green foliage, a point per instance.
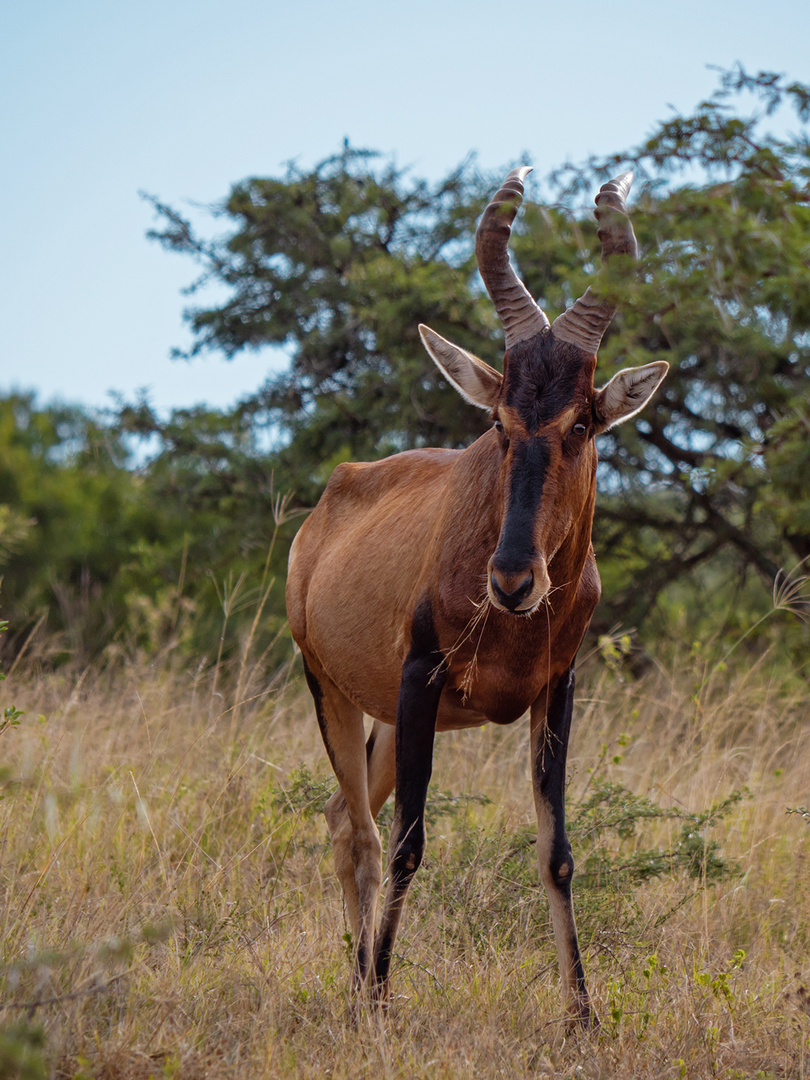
(74, 512)
(99, 555)
(10, 715)
(337, 266)
(44, 978)
(22, 1056)
(722, 295)
(634, 997)
(703, 496)
(302, 794)
(486, 878)
(608, 822)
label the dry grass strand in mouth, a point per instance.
(479, 615)
(185, 920)
(471, 670)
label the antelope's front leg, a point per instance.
(423, 678)
(549, 747)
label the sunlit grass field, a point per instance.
(168, 907)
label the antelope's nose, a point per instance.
(511, 589)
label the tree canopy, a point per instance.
(330, 270)
(337, 266)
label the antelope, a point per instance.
(440, 589)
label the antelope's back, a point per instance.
(356, 568)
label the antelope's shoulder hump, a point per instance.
(371, 481)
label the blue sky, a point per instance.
(181, 99)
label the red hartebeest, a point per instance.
(417, 589)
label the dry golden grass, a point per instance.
(168, 906)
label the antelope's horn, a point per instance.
(519, 314)
(585, 323)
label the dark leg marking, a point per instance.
(372, 738)
(423, 678)
(550, 767)
(549, 777)
(317, 697)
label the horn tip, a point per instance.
(519, 174)
(619, 184)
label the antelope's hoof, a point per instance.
(370, 995)
(581, 1017)
(381, 994)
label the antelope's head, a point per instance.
(545, 409)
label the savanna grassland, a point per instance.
(169, 909)
(168, 906)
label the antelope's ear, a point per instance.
(627, 393)
(474, 379)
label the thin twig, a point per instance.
(96, 988)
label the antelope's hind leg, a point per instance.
(355, 838)
(549, 747)
(380, 784)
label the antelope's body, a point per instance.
(441, 589)
(495, 665)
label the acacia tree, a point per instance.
(714, 472)
(337, 266)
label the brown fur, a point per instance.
(442, 589)
(421, 524)
(420, 527)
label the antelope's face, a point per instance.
(545, 409)
(545, 427)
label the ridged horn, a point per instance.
(520, 316)
(586, 321)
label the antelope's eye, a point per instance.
(578, 429)
(499, 427)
